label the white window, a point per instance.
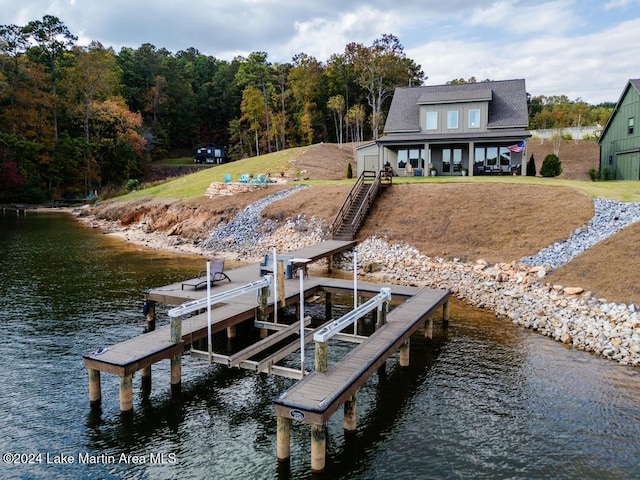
(452, 119)
(474, 118)
(432, 120)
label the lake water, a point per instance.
(484, 400)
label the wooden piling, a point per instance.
(126, 393)
(176, 373)
(328, 305)
(350, 422)
(445, 314)
(231, 332)
(263, 298)
(95, 391)
(321, 357)
(282, 298)
(404, 354)
(318, 448)
(150, 315)
(283, 439)
(428, 329)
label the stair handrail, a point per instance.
(366, 203)
(346, 205)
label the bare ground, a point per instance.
(499, 223)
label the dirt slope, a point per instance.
(494, 222)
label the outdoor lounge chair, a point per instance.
(216, 274)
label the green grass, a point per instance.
(623, 191)
(194, 185)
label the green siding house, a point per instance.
(620, 139)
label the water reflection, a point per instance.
(484, 399)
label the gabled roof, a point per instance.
(507, 103)
(635, 83)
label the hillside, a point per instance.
(495, 221)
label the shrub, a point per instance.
(349, 170)
(132, 184)
(551, 166)
(606, 173)
(531, 167)
(594, 174)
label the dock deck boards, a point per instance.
(136, 353)
(319, 395)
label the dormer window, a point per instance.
(432, 120)
(474, 118)
(452, 119)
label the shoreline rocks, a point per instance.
(514, 290)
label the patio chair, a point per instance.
(245, 178)
(216, 274)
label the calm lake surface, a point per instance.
(484, 400)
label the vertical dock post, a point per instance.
(150, 315)
(263, 298)
(321, 355)
(350, 422)
(328, 305)
(283, 439)
(176, 360)
(445, 314)
(318, 448)
(318, 440)
(404, 353)
(282, 298)
(126, 393)
(428, 329)
(95, 392)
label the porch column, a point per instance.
(472, 158)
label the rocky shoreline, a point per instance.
(515, 290)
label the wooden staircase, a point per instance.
(356, 206)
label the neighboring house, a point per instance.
(211, 154)
(474, 128)
(620, 139)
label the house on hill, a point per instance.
(474, 128)
(212, 154)
(620, 139)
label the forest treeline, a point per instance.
(76, 119)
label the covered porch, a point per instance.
(455, 158)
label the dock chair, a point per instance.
(216, 274)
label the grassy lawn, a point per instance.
(194, 185)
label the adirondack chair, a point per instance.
(245, 178)
(216, 274)
(227, 177)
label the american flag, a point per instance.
(517, 148)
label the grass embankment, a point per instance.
(498, 218)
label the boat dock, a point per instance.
(317, 395)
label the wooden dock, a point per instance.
(317, 395)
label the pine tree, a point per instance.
(531, 167)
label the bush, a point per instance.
(594, 174)
(531, 167)
(349, 170)
(606, 173)
(132, 184)
(551, 166)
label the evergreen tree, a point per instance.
(551, 166)
(531, 167)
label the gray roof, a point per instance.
(501, 134)
(507, 103)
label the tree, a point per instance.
(355, 119)
(336, 104)
(381, 68)
(252, 109)
(551, 166)
(531, 167)
(305, 80)
(52, 38)
(255, 72)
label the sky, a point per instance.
(584, 49)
